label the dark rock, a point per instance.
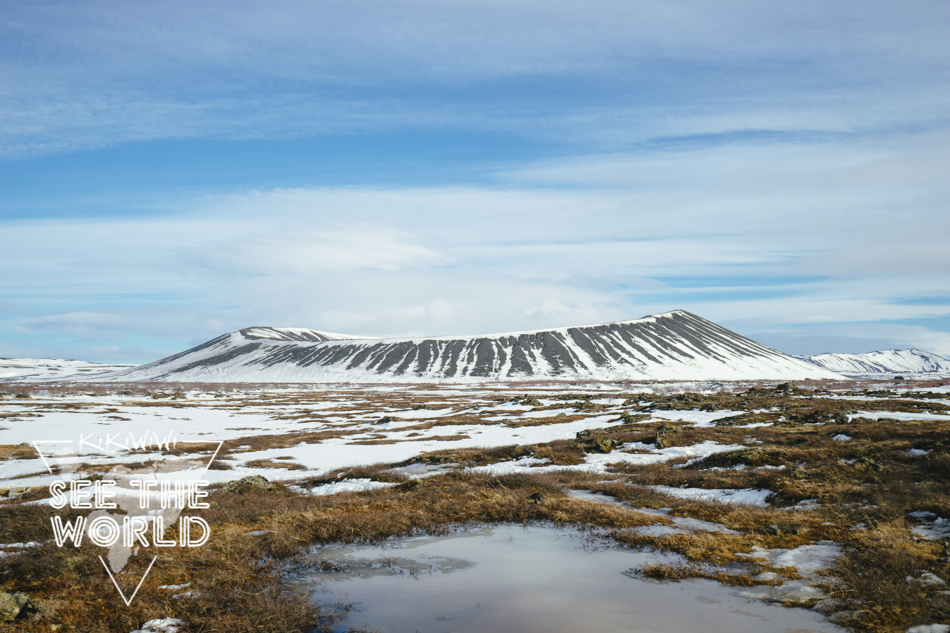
(15, 606)
(601, 446)
(866, 463)
(632, 418)
(588, 406)
(247, 483)
(660, 432)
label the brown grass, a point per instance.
(868, 482)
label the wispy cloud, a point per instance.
(88, 74)
(780, 168)
(799, 237)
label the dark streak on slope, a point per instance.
(677, 339)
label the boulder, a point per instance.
(601, 446)
(588, 406)
(632, 418)
(14, 606)
(840, 417)
(408, 486)
(245, 483)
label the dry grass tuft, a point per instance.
(863, 491)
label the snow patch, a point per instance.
(928, 579)
(600, 463)
(418, 471)
(161, 625)
(737, 496)
(681, 524)
(807, 559)
(174, 587)
(347, 485)
(934, 528)
(791, 591)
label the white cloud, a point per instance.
(837, 202)
(280, 250)
(104, 72)
(70, 321)
(847, 232)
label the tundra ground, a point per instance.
(826, 496)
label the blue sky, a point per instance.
(173, 170)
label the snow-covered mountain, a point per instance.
(888, 361)
(672, 346)
(293, 334)
(44, 369)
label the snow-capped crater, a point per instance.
(675, 345)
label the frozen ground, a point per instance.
(292, 434)
(43, 369)
(339, 429)
(331, 429)
(301, 436)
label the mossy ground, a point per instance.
(863, 490)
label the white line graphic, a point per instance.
(129, 601)
(40, 453)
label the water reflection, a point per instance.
(536, 579)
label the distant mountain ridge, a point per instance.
(293, 334)
(47, 369)
(671, 346)
(888, 361)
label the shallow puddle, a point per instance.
(510, 578)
